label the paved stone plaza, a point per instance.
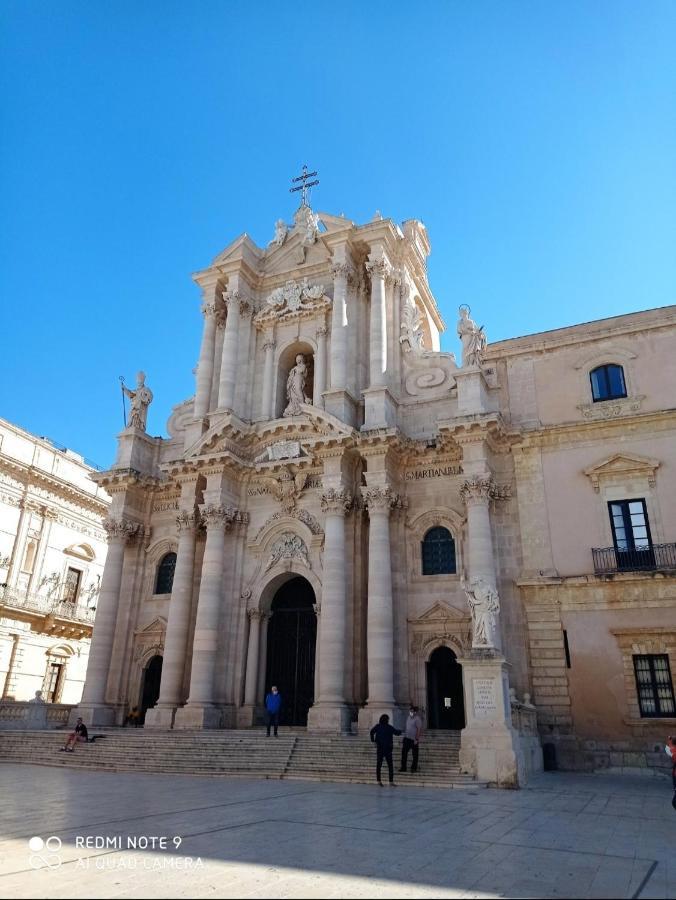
(564, 836)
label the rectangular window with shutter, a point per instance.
(654, 686)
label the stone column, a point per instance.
(27, 508)
(379, 269)
(329, 713)
(341, 271)
(218, 358)
(251, 683)
(92, 708)
(178, 626)
(226, 392)
(205, 367)
(262, 657)
(48, 516)
(10, 666)
(380, 613)
(199, 711)
(267, 410)
(318, 611)
(320, 368)
(477, 493)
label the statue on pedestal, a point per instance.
(473, 338)
(281, 231)
(295, 387)
(484, 605)
(141, 399)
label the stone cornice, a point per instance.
(598, 429)
(122, 479)
(60, 487)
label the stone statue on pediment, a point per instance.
(281, 231)
(141, 399)
(484, 605)
(473, 338)
(295, 387)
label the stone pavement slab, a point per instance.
(83, 834)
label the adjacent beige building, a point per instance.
(349, 513)
(52, 555)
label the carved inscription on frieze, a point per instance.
(433, 472)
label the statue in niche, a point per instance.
(484, 605)
(473, 338)
(281, 231)
(141, 399)
(295, 387)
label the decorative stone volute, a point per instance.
(122, 529)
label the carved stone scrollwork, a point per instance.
(186, 521)
(334, 501)
(232, 297)
(216, 516)
(122, 529)
(477, 490)
(379, 268)
(289, 546)
(381, 500)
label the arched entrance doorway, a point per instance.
(152, 675)
(292, 635)
(445, 699)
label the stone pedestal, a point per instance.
(489, 746)
(160, 717)
(196, 715)
(135, 450)
(94, 715)
(368, 716)
(330, 717)
(342, 405)
(472, 391)
(379, 409)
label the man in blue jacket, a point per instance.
(273, 704)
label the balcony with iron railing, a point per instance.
(14, 599)
(648, 558)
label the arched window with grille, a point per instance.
(607, 382)
(165, 574)
(438, 552)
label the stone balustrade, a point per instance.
(13, 598)
(18, 714)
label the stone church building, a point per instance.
(346, 512)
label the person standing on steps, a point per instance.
(411, 741)
(381, 736)
(273, 704)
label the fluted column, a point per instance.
(119, 531)
(205, 640)
(379, 269)
(267, 410)
(341, 273)
(329, 711)
(477, 493)
(205, 367)
(380, 614)
(251, 683)
(262, 657)
(320, 368)
(178, 623)
(226, 392)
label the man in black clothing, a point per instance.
(381, 736)
(79, 736)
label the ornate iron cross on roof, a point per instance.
(305, 186)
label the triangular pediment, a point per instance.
(158, 624)
(440, 611)
(293, 254)
(621, 463)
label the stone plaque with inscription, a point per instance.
(485, 700)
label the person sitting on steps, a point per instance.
(78, 736)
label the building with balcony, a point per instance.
(52, 555)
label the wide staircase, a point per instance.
(250, 753)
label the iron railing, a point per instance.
(641, 559)
(13, 598)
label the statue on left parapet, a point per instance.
(295, 387)
(141, 399)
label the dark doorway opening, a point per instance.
(445, 699)
(292, 635)
(151, 684)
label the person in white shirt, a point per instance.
(412, 733)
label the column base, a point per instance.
(371, 713)
(160, 717)
(489, 745)
(342, 405)
(329, 717)
(246, 716)
(379, 409)
(96, 714)
(199, 715)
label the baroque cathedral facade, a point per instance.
(349, 513)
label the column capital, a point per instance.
(232, 298)
(187, 521)
(336, 502)
(381, 500)
(208, 309)
(317, 607)
(122, 530)
(269, 345)
(343, 270)
(216, 516)
(255, 615)
(379, 268)
(478, 490)
(322, 331)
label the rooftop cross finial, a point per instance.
(305, 186)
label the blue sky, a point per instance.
(536, 140)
